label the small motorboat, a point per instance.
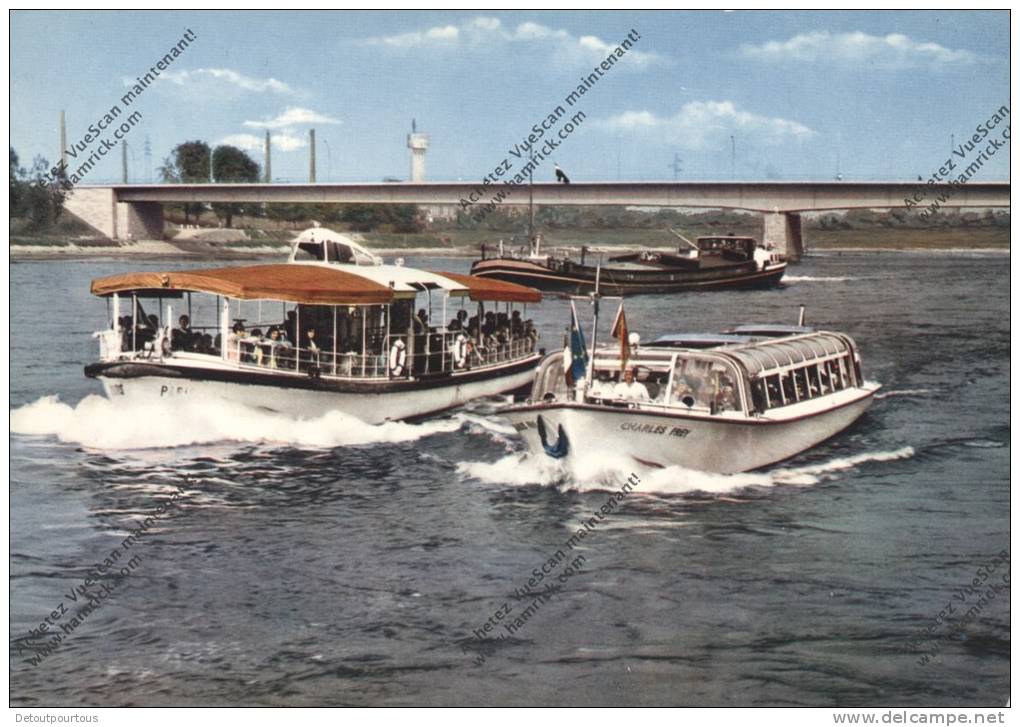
(722, 402)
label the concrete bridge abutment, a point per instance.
(782, 229)
(99, 209)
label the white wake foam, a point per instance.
(816, 278)
(608, 472)
(902, 392)
(95, 422)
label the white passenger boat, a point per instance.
(729, 402)
(333, 329)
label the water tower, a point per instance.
(418, 144)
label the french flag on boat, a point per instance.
(575, 354)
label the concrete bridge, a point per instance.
(135, 211)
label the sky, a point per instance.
(788, 95)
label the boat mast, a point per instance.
(531, 206)
(595, 325)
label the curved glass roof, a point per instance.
(764, 357)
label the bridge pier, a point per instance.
(99, 209)
(782, 229)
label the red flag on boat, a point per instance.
(620, 332)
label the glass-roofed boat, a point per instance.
(718, 402)
(333, 329)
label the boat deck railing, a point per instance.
(425, 354)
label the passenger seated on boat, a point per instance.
(124, 323)
(311, 353)
(530, 334)
(726, 395)
(602, 386)
(255, 347)
(489, 325)
(290, 325)
(182, 337)
(204, 344)
(516, 324)
(234, 339)
(630, 389)
(147, 333)
(656, 386)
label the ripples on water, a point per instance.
(328, 563)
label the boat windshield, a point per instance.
(326, 246)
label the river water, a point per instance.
(330, 563)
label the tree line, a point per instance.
(34, 200)
(194, 162)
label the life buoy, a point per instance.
(460, 350)
(398, 358)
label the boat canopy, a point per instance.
(313, 284)
(764, 358)
(292, 283)
(490, 289)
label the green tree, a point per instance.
(230, 164)
(402, 218)
(33, 197)
(17, 190)
(188, 163)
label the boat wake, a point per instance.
(902, 392)
(97, 423)
(816, 278)
(611, 471)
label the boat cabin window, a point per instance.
(333, 252)
(705, 384)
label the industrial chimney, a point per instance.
(269, 161)
(311, 156)
(63, 142)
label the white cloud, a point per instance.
(225, 76)
(484, 32)
(292, 116)
(708, 124)
(251, 142)
(894, 50)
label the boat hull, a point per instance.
(304, 397)
(723, 444)
(571, 279)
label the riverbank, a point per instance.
(467, 244)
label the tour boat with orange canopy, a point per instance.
(332, 329)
